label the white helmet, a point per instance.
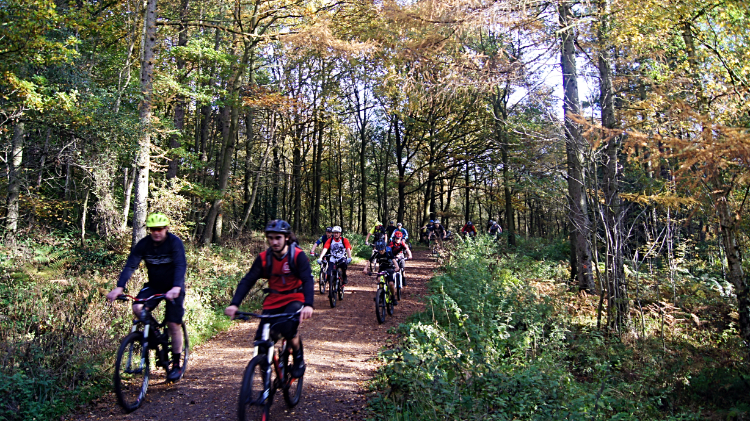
(336, 229)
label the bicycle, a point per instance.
(384, 300)
(134, 357)
(258, 389)
(322, 281)
(399, 281)
(335, 289)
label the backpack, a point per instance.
(292, 260)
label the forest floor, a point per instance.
(341, 346)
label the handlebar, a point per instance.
(242, 315)
(126, 297)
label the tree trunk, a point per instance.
(616, 282)
(228, 141)
(575, 148)
(510, 225)
(128, 186)
(144, 144)
(179, 108)
(15, 162)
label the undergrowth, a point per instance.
(58, 336)
(503, 337)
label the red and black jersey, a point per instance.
(397, 248)
(285, 286)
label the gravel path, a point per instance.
(340, 349)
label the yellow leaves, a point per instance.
(666, 199)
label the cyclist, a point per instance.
(400, 228)
(290, 286)
(377, 232)
(322, 240)
(427, 231)
(390, 229)
(386, 261)
(341, 252)
(439, 233)
(401, 250)
(469, 230)
(164, 255)
(494, 230)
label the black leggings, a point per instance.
(341, 265)
(287, 329)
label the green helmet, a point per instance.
(157, 220)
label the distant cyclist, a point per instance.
(427, 231)
(322, 240)
(164, 255)
(494, 230)
(401, 250)
(469, 230)
(377, 233)
(385, 259)
(438, 233)
(340, 252)
(290, 286)
(400, 228)
(390, 229)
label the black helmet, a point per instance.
(380, 245)
(278, 225)
(391, 222)
(329, 229)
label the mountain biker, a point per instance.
(341, 252)
(427, 231)
(290, 286)
(469, 230)
(438, 232)
(494, 230)
(400, 228)
(164, 255)
(390, 229)
(377, 232)
(386, 260)
(401, 250)
(322, 240)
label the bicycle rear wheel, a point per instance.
(340, 285)
(252, 405)
(291, 387)
(332, 290)
(131, 372)
(380, 305)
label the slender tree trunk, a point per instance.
(128, 186)
(616, 282)
(15, 162)
(510, 225)
(144, 144)
(230, 134)
(179, 108)
(575, 147)
(43, 159)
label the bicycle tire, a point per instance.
(131, 381)
(185, 355)
(322, 281)
(332, 291)
(252, 406)
(398, 286)
(380, 305)
(291, 387)
(340, 286)
(389, 304)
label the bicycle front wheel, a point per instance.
(322, 281)
(255, 402)
(398, 285)
(380, 305)
(131, 372)
(291, 387)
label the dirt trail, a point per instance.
(340, 346)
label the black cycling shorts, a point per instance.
(287, 329)
(174, 311)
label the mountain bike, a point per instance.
(322, 281)
(147, 346)
(384, 300)
(258, 387)
(335, 287)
